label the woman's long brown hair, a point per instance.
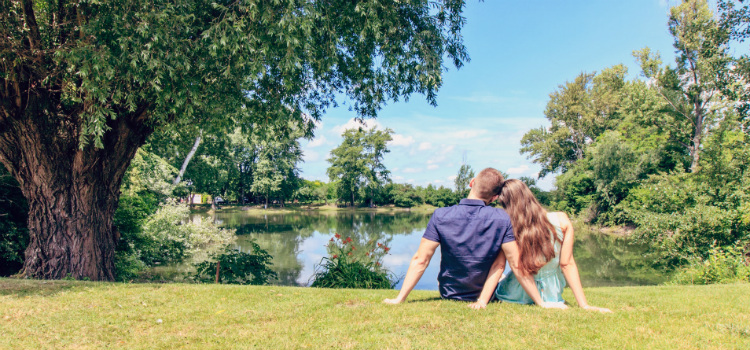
(530, 225)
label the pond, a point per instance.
(297, 241)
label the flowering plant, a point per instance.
(348, 266)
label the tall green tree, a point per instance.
(462, 180)
(578, 112)
(357, 163)
(83, 84)
(275, 170)
(692, 89)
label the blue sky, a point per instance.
(520, 52)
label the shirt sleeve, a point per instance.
(431, 232)
(508, 235)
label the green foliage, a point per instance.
(578, 112)
(405, 195)
(237, 267)
(357, 164)
(349, 267)
(723, 265)
(440, 197)
(14, 236)
(173, 236)
(462, 180)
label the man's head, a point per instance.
(487, 185)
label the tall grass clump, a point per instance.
(723, 265)
(347, 267)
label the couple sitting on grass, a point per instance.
(477, 239)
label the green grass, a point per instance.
(88, 315)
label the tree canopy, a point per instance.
(84, 83)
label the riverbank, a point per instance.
(316, 208)
(89, 315)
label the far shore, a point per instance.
(316, 207)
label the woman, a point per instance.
(545, 244)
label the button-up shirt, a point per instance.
(470, 235)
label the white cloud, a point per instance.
(311, 156)
(438, 181)
(410, 181)
(519, 170)
(412, 170)
(401, 140)
(397, 178)
(319, 141)
(425, 146)
(432, 167)
(452, 178)
(355, 124)
(442, 156)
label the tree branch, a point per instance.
(30, 18)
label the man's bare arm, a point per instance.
(496, 271)
(418, 264)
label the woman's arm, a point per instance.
(496, 271)
(568, 264)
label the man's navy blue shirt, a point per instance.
(470, 235)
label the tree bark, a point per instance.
(72, 191)
(188, 158)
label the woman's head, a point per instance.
(530, 225)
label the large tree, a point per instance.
(83, 84)
(357, 163)
(578, 112)
(693, 88)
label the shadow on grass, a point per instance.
(26, 287)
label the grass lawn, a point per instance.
(88, 315)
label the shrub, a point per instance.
(347, 267)
(723, 265)
(237, 267)
(173, 237)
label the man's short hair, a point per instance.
(488, 183)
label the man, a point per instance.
(473, 237)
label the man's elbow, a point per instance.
(420, 260)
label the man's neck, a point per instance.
(473, 196)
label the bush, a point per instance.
(347, 267)
(172, 236)
(153, 234)
(680, 220)
(237, 267)
(723, 265)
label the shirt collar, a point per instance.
(467, 201)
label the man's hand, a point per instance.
(548, 305)
(478, 305)
(393, 301)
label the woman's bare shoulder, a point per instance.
(562, 218)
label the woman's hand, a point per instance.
(600, 309)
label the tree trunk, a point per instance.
(697, 138)
(72, 191)
(188, 158)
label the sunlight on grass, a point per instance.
(88, 315)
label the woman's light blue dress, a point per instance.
(549, 280)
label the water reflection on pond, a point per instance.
(297, 243)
